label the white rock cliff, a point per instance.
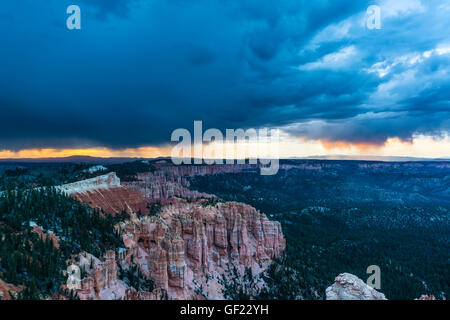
(349, 287)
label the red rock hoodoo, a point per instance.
(189, 248)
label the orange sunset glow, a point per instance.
(147, 152)
(419, 146)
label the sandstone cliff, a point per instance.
(163, 185)
(189, 249)
(169, 180)
(100, 281)
(107, 193)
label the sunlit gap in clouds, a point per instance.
(420, 146)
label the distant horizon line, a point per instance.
(80, 158)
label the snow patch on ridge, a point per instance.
(107, 181)
(95, 169)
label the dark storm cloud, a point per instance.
(139, 69)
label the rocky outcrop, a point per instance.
(44, 235)
(107, 181)
(188, 248)
(188, 251)
(114, 200)
(6, 289)
(101, 280)
(168, 169)
(349, 287)
(132, 294)
(170, 180)
(159, 185)
(107, 193)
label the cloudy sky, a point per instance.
(139, 69)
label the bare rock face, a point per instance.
(6, 289)
(132, 294)
(160, 185)
(106, 192)
(170, 180)
(169, 169)
(44, 235)
(114, 200)
(188, 248)
(101, 278)
(106, 181)
(349, 287)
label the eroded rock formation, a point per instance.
(101, 280)
(44, 235)
(159, 185)
(107, 193)
(169, 180)
(132, 294)
(349, 287)
(188, 248)
(6, 289)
